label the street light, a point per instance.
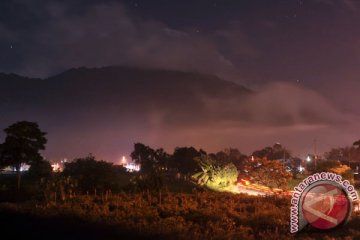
(308, 159)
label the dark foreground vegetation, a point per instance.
(166, 215)
(168, 199)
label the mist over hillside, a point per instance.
(105, 110)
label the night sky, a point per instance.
(294, 54)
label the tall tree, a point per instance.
(346, 155)
(150, 159)
(153, 164)
(23, 143)
(231, 155)
(162, 159)
(183, 159)
(145, 156)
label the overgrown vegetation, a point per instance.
(160, 201)
(271, 173)
(215, 175)
(198, 215)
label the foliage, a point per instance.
(293, 165)
(93, 175)
(271, 173)
(58, 188)
(40, 169)
(143, 155)
(345, 155)
(153, 165)
(336, 167)
(345, 171)
(183, 160)
(23, 143)
(275, 152)
(200, 215)
(214, 175)
(148, 158)
(153, 181)
(231, 155)
(341, 169)
(326, 165)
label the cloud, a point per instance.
(233, 38)
(279, 112)
(275, 105)
(286, 104)
(350, 5)
(106, 34)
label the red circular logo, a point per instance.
(325, 206)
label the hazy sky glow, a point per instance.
(300, 57)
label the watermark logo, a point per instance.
(323, 200)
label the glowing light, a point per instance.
(244, 186)
(130, 166)
(308, 159)
(58, 167)
(55, 167)
(244, 182)
(23, 168)
(123, 160)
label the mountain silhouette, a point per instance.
(81, 105)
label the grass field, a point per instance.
(199, 215)
(180, 211)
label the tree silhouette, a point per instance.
(183, 159)
(40, 169)
(153, 164)
(277, 152)
(145, 156)
(150, 159)
(22, 145)
(231, 155)
(93, 175)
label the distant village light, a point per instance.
(59, 166)
(23, 168)
(130, 166)
(56, 167)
